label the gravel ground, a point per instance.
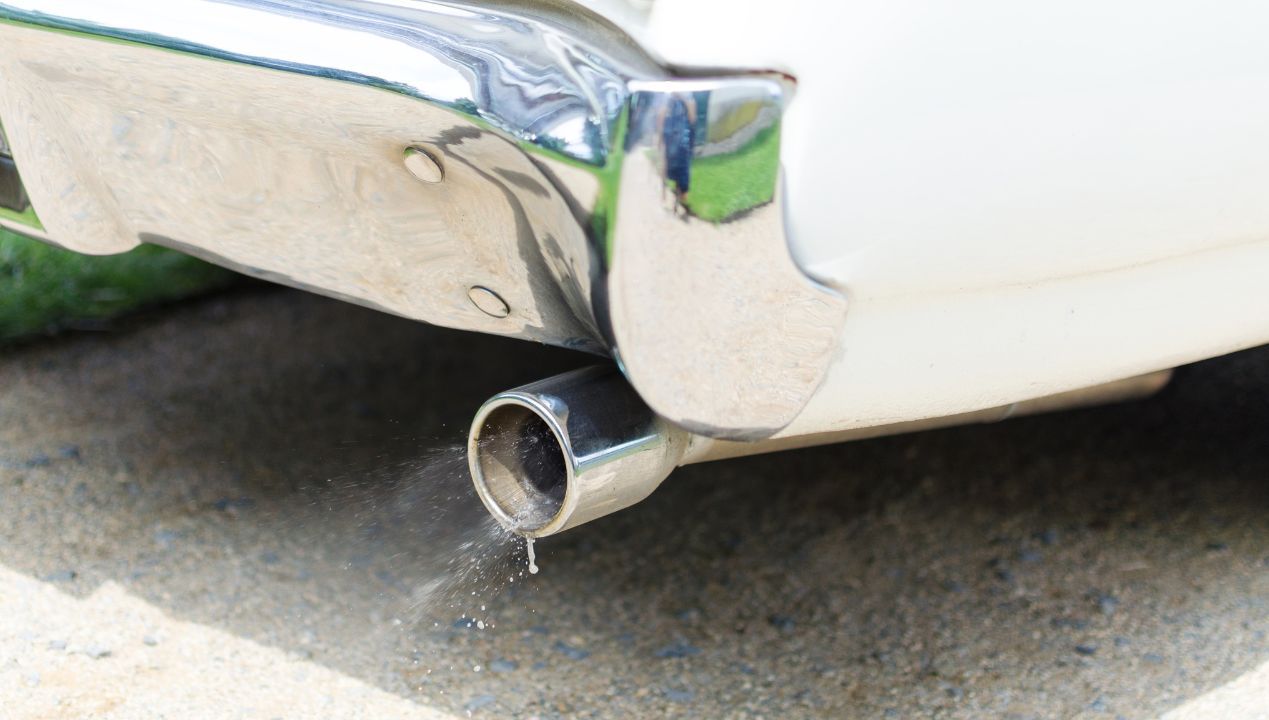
(254, 506)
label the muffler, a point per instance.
(563, 451)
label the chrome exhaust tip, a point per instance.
(563, 451)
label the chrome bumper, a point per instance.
(517, 170)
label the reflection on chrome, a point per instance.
(16, 213)
(527, 73)
(612, 206)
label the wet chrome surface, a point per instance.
(612, 207)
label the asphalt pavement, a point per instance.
(255, 505)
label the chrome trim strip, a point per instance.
(612, 206)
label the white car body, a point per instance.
(983, 203)
(1016, 199)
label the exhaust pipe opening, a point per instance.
(521, 466)
(562, 451)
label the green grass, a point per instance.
(43, 288)
(724, 185)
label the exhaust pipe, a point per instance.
(554, 454)
(559, 452)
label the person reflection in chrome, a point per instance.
(678, 136)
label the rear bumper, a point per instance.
(566, 187)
